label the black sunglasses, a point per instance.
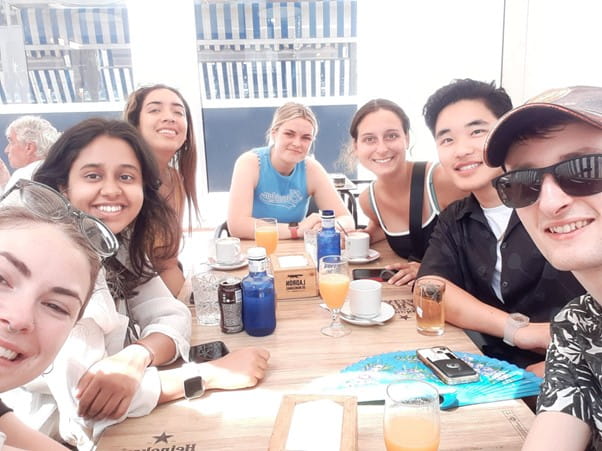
(580, 176)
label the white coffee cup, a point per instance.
(227, 250)
(357, 245)
(365, 298)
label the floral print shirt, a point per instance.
(573, 379)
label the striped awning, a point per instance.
(76, 54)
(266, 49)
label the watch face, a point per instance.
(193, 387)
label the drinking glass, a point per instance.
(266, 234)
(411, 419)
(333, 280)
(205, 283)
(428, 302)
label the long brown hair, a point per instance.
(156, 222)
(185, 157)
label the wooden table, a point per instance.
(243, 419)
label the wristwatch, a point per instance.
(293, 227)
(193, 386)
(514, 322)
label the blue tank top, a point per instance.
(283, 197)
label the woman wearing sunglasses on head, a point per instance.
(48, 265)
(133, 324)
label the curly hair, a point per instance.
(34, 129)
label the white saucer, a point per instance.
(230, 266)
(372, 255)
(386, 313)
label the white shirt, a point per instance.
(102, 332)
(26, 172)
(498, 218)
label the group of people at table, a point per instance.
(507, 218)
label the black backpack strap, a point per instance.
(416, 203)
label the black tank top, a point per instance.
(411, 244)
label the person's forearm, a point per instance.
(162, 347)
(465, 311)
(243, 228)
(345, 221)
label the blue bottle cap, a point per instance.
(327, 213)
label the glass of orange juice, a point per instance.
(333, 281)
(266, 234)
(411, 416)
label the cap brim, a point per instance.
(511, 125)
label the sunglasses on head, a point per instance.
(49, 204)
(579, 176)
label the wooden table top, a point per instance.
(243, 419)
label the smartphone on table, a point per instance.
(208, 351)
(378, 274)
(447, 366)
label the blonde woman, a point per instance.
(279, 179)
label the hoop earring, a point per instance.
(48, 370)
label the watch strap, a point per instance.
(293, 228)
(514, 322)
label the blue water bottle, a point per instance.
(258, 300)
(329, 240)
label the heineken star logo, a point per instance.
(161, 438)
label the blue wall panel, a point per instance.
(230, 132)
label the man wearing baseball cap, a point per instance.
(498, 285)
(551, 148)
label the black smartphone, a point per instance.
(378, 274)
(447, 366)
(208, 351)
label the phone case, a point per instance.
(447, 366)
(378, 274)
(207, 351)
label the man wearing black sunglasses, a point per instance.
(552, 149)
(498, 285)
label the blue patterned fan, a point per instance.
(368, 378)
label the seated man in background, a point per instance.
(553, 149)
(498, 283)
(4, 175)
(29, 138)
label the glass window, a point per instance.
(256, 55)
(64, 52)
